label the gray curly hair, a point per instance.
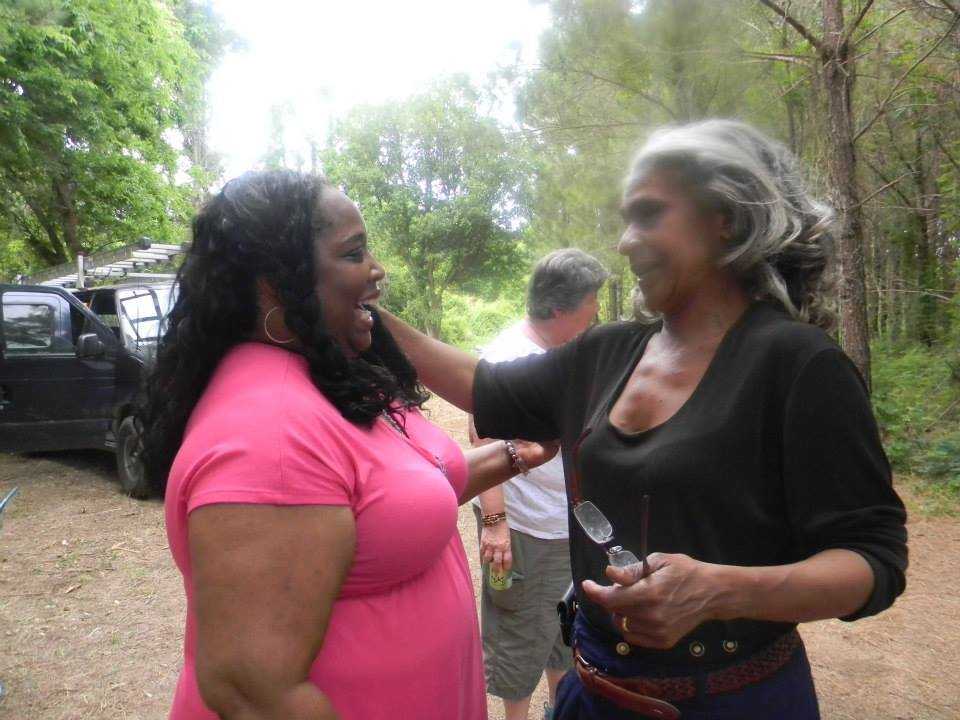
(561, 281)
(782, 245)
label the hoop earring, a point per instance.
(266, 328)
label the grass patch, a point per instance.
(926, 498)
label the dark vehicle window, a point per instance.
(104, 306)
(79, 324)
(30, 329)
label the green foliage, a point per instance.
(89, 92)
(609, 71)
(439, 187)
(470, 322)
(917, 403)
(942, 461)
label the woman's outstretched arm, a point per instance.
(446, 370)
(491, 464)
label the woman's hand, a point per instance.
(676, 596)
(495, 547)
(680, 593)
(536, 454)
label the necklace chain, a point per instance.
(437, 460)
(393, 423)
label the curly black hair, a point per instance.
(261, 225)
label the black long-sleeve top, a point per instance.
(775, 457)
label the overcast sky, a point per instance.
(325, 57)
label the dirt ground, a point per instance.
(91, 607)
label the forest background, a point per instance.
(104, 140)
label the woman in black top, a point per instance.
(771, 500)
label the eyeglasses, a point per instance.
(595, 524)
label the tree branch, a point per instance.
(589, 126)
(943, 149)
(48, 252)
(794, 23)
(880, 27)
(929, 293)
(33, 240)
(852, 28)
(887, 186)
(951, 7)
(782, 57)
(883, 105)
(898, 151)
(623, 86)
(793, 86)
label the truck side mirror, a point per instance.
(89, 346)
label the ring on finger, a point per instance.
(625, 625)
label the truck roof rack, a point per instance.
(130, 261)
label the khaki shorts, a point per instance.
(519, 625)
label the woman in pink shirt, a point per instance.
(310, 507)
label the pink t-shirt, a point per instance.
(403, 640)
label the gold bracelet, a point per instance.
(494, 519)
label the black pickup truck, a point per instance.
(71, 368)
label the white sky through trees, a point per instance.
(317, 59)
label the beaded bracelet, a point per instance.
(494, 519)
(516, 462)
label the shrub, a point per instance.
(470, 322)
(917, 402)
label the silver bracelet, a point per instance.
(516, 462)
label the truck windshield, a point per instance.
(142, 314)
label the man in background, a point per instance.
(523, 523)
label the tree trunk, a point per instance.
(926, 304)
(874, 304)
(948, 249)
(791, 106)
(614, 298)
(838, 79)
(69, 220)
(431, 301)
(926, 242)
(890, 324)
(941, 319)
(54, 253)
(794, 142)
(433, 313)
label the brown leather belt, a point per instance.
(652, 696)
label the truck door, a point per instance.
(51, 399)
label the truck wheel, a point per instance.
(133, 479)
